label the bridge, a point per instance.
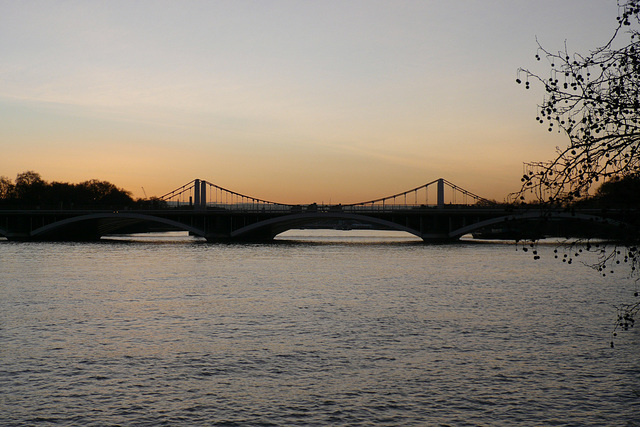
(436, 211)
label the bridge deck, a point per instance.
(261, 224)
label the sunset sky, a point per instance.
(292, 101)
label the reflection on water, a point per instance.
(164, 237)
(319, 328)
(347, 236)
(306, 235)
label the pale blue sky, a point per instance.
(295, 101)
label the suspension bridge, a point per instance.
(202, 194)
(436, 211)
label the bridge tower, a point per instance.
(196, 193)
(440, 193)
(199, 194)
(203, 194)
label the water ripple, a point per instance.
(307, 334)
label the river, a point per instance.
(318, 328)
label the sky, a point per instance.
(290, 101)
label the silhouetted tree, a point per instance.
(151, 203)
(62, 195)
(619, 192)
(594, 99)
(6, 188)
(28, 178)
(29, 188)
(104, 193)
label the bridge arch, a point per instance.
(112, 222)
(531, 216)
(270, 228)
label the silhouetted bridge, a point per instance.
(436, 211)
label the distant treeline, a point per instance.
(29, 190)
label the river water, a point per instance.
(319, 328)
